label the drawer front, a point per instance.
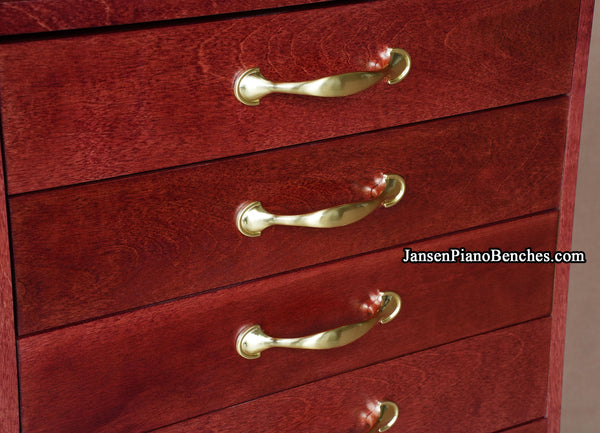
(480, 385)
(178, 359)
(33, 16)
(94, 106)
(86, 251)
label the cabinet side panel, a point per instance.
(567, 205)
(9, 399)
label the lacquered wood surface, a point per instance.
(79, 108)
(9, 385)
(33, 16)
(480, 385)
(178, 359)
(567, 208)
(538, 426)
(96, 249)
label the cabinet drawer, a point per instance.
(96, 249)
(94, 106)
(178, 359)
(480, 385)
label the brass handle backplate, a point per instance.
(251, 85)
(388, 414)
(252, 340)
(252, 218)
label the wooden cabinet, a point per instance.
(127, 158)
(170, 233)
(162, 355)
(143, 99)
(506, 385)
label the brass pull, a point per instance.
(251, 85)
(252, 219)
(252, 340)
(388, 414)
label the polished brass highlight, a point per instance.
(251, 85)
(388, 414)
(252, 340)
(252, 218)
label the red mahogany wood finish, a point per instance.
(178, 359)
(101, 248)
(127, 102)
(534, 427)
(9, 385)
(96, 103)
(506, 385)
(567, 206)
(32, 16)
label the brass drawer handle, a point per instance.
(251, 85)
(252, 340)
(388, 414)
(252, 218)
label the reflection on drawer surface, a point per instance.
(90, 250)
(480, 385)
(92, 106)
(178, 359)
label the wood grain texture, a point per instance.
(567, 209)
(178, 360)
(91, 250)
(33, 16)
(9, 389)
(478, 385)
(90, 107)
(538, 426)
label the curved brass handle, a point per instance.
(388, 414)
(252, 219)
(251, 85)
(252, 340)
